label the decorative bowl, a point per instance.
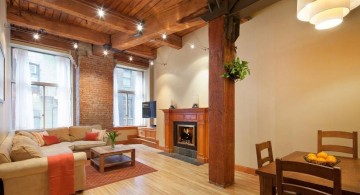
(329, 164)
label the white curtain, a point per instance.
(63, 91)
(24, 117)
(116, 99)
(139, 97)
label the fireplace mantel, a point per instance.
(198, 115)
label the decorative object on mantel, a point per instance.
(196, 102)
(236, 70)
(2, 74)
(325, 14)
(172, 104)
(111, 135)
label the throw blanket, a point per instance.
(61, 174)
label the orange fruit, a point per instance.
(331, 159)
(323, 155)
(321, 160)
(311, 156)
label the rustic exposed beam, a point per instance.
(142, 51)
(33, 21)
(173, 41)
(137, 61)
(250, 9)
(89, 13)
(48, 41)
(166, 21)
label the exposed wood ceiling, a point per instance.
(77, 20)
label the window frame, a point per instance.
(127, 92)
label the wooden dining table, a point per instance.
(350, 176)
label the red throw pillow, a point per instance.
(89, 136)
(51, 139)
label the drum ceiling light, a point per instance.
(324, 14)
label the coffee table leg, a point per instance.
(101, 163)
(133, 158)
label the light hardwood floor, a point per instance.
(174, 177)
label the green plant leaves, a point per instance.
(236, 70)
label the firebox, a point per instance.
(185, 135)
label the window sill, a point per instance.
(127, 128)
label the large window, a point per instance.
(42, 90)
(129, 88)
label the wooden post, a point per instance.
(221, 106)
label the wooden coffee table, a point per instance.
(105, 156)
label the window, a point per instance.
(42, 90)
(128, 88)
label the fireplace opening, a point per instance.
(185, 135)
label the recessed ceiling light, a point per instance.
(36, 36)
(164, 36)
(139, 26)
(101, 12)
(192, 46)
(106, 52)
(151, 62)
(75, 46)
(130, 58)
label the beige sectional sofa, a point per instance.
(30, 176)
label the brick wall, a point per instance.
(96, 90)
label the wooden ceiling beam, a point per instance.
(86, 11)
(173, 41)
(251, 8)
(137, 61)
(168, 21)
(48, 41)
(36, 22)
(142, 51)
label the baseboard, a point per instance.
(244, 169)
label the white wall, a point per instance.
(5, 108)
(185, 75)
(301, 80)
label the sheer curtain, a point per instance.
(139, 96)
(63, 91)
(24, 117)
(116, 99)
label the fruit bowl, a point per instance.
(329, 164)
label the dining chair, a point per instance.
(260, 147)
(337, 148)
(284, 186)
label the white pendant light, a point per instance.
(324, 14)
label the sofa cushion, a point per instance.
(5, 148)
(39, 137)
(101, 134)
(85, 145)
(24, 148)
(78, 132)
(51, 139)
(91, 136)
(61, 132)
(55, 149)
(27, 134)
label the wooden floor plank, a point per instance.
(174, 177)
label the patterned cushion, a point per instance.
(5, 148)
(39, 137)
(27, 134)
(101, 134)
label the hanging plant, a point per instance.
(236, 70)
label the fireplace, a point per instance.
(185, 135)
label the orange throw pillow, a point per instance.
(89, 136)
(51, 139)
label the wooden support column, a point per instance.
(221, 105)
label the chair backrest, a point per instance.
(260, 147)
(337, 148)
(332, 174)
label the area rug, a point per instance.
(182, 158)
(113, 174)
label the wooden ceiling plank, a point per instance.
(85, 11)
(163, 22)
(33, 21)
(173, 41)
(138, 7)
(32, 7)
(44, 41)
(41, 10)
(147, 8)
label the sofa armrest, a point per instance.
(33, 166)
